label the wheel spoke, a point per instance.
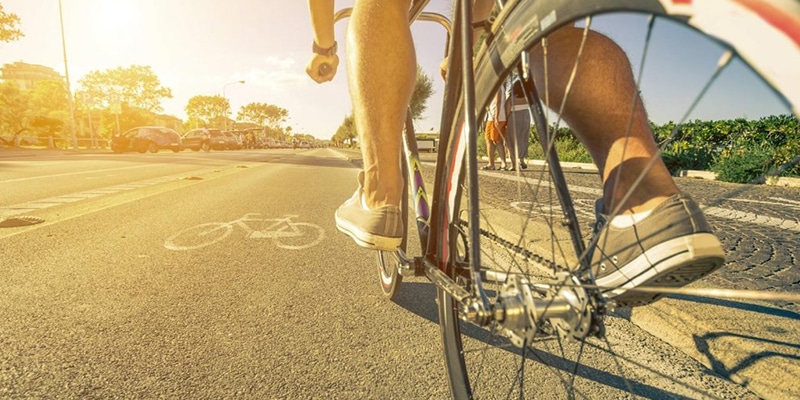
(520, 221)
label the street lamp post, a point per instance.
(66, 73)
(224, 97)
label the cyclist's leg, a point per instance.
(599, 112)
(667, 240)
(382, 72)
(381, 66)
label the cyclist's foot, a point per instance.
(672, 246)
(375, 229)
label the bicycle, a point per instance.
(284, 232)
(527, 285)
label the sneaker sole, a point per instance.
(366, 239)
(675, 263)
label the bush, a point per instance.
(684, 155)
(569, 148)
(744, 164)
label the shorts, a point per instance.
(495, 131)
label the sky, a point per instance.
(202, 47)
(197, 47)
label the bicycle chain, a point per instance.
(518, 249)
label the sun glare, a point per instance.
(114, 16)
(114, 28)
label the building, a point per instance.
(26, 75)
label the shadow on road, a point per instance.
(419, 298)
(702, 343)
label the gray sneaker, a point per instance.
(672, 247)
(377, 229)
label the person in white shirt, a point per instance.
(518, 127)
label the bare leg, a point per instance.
(490, 150)
(382, 71)
(501, 148)
(599, 109)
(511, 141)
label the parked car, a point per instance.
(196, 139)
(214, 138)
(271, 143)
(234, 142)
(146, 138)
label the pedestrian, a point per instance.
(518, 124)
(495, 131)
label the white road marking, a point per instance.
(30, 178)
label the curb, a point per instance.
(783, 182)
(708, 175)
(565, 164)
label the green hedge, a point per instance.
(739, 150)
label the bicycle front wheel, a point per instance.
(692, 63)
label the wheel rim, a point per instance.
(566, 365)
(387, 270)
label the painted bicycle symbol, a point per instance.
(284, 232)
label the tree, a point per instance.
(137, 86)
(13, 110)
(48, 108)
(263, 114)
(49, 96)
(276, 133)
(423, 90)
(208, 110)
(8, 26)
(346, 132)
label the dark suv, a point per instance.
(205, 139)
(146, 138)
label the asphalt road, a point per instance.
(113, 295)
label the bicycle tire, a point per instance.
(518, 27)
(388, 264)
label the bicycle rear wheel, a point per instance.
(536, 224)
